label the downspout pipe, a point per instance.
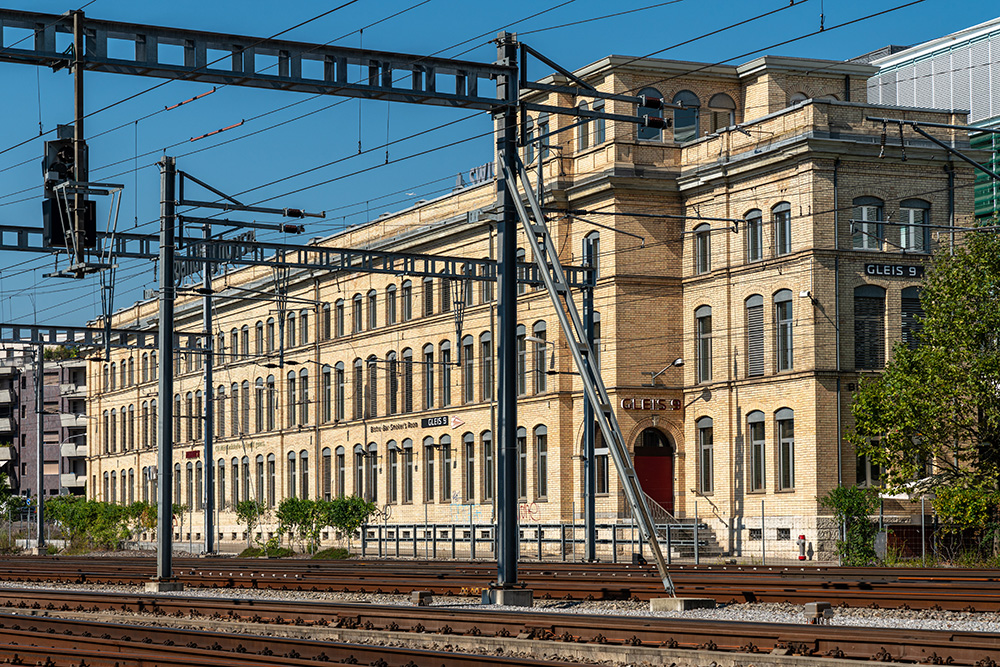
(836, 312)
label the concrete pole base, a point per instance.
(680, 604)
(510, 597)
(172, 586)
(38, 551)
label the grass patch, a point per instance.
(332, 554)
(272, 552)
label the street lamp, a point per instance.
(676, 363)
(552, 357)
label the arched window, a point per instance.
(327, 474)
(234, 482)
(392, 383)
(796, 98)
(114, 431)
(522, 463)
(914, 234)
(234, 345)
(529, 140)
(541, 461)
(428, 296)
(445, 373)
(131, 426)
(199, 488)
(723, 111)
(245, 341)
(703, 342)
(702, 249)
(390, 305)
(271, 337)
(292, 399)
(259, 405)
(784, 420)
(340, 389)
(429, 448)
(234, 413)
(220, 483)
(521, 271)
(326, 321)
(372, 309)
(304, 473)
(371, 473)
(357, 313)
(583, 130)
(304, 396)
(867, 223)
(407, 380)
(544, 141)
(783, 330)
(220, 412)
(359, 471)
(131, 371)
(706, 456)
(469, 447)
(114, 368)
(487, 285)
(541, 351)
(600, 134)
(245, 406)
(292, 475)
(290, 330)
(650, 133)
(486, 363)
(153, 370)
(468, 370)
(782, 215)
(272, 480)
(521, 374)
(372, 363)
(406, 300)
(326, 411)
(338, 318)
(259, 340)
(489, 468)
(446, 477)
(392, 483)
(245, 478)
(144, 429)
(359, 389)
(757, 449)
(686, 119)
(303, 327)
(755, 335)
(106, 385)
(190, 414)
(189, 485)
(220, 348)
(272, 404)
(428, 376)
(753, 237)
(341, 483)
(407, 494)
(107, 432)
(869, 327)
(259, 479)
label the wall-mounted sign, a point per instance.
(895, 270)
(192, 454)
(650, 404)
(433, 422)
(395, 426)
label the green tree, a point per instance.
(250, 513)
(853, 508)
(939, 402)
(348, 514)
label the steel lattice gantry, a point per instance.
(225, 59)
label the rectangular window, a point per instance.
(782, 229)
(602, 471)
(786, 454)
(755, 340)
(869, 332)
(489, 472)
(783, 330)
(390, 307)
(706, 459)
(486, 355)
(755, 238)
(428, 380)
(755, 431)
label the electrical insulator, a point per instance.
(294, 213)
(289, 228)
(656, 122)
(650, 102)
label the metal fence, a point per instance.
(556, 541)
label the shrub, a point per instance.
(335, 553)
(853, 507)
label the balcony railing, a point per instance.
(72, 481)
(70, 450)
(72, 420)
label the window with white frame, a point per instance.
(757, 449)
(706, 456)
(867, 223)
(785, 426)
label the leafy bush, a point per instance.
(335, 553)
(250, 513)
(853, 507)
(269, 551)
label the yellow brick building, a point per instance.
(775, 317)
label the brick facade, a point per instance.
(812, 158)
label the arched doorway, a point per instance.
(654, 466)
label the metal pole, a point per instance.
(40, 445)
(79, 204)
(589, 461)
(209, 409)
(507, 547)
(696, 559)
(763, 542)
(165, 439)
(923, 535)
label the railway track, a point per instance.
(29, 616)
(915, 588)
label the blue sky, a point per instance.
(284, 133)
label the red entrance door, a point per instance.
(656, 476)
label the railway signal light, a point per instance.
(60, 217)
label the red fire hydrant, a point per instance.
(802, 546)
